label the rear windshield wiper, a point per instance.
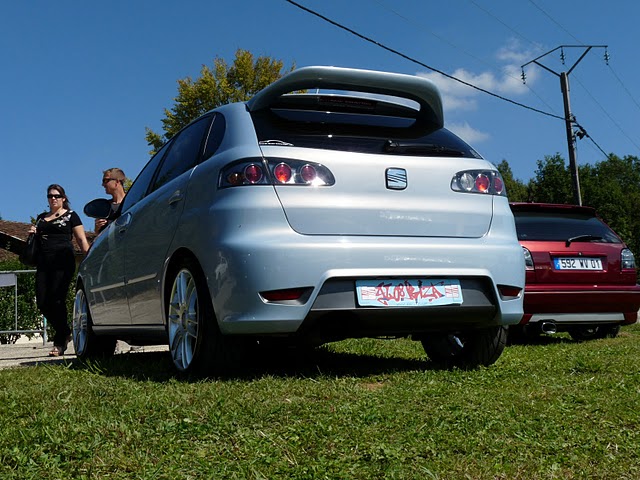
(425, 148)
(583, 238)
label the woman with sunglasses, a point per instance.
(56, 263)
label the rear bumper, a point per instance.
(600, 304)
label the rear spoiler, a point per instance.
(420, 90)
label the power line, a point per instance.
(554, 21)
(583, 133)
(457, 47)
(606, 58)
(607, 114)
(623, 85)
(413, 60)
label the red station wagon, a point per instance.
(580, 276)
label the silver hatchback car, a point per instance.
(344, 211)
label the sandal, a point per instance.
(57, 351)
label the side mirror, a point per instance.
(98, 208)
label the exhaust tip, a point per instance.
(548, 328)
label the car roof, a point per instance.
(551, 208)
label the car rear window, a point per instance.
(360, 126)
(550, 227)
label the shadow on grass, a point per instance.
(537, 340)
(158, 367)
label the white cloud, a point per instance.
(467, 132)
(457, 96)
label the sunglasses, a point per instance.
(53, 195)
(107, 180)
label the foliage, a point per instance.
(552, 181)
(613, 188)
(28, 316)
(516, 190)
(359, 409)
(216, 86)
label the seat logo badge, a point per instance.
(396, 178)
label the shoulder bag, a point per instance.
(29, 255)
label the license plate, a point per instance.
(577, 263)
(408, 293)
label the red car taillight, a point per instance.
(479, 181)
(528, 259)
(627, 260)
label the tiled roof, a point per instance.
(11, 231)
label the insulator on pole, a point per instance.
(562, 55)
(606, 56)
(524, 77)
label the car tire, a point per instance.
(85, 342)
(195, 342)
(470, 350)
(582, 334)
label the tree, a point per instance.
(612, 187)
(29, 317)
(216, 86)
(516, 190)
(552, 181)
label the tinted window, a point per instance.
(544, 226)
(358, 132)
(216, 133)
(140, 185)
(184, 153)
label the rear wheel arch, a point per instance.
(195, 342)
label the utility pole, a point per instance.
(569, 119)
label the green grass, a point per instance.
(365, 409)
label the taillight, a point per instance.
(282, 173)
(253, 173)
(479, 181)
(308, 173)
(528, 259)
(275, 171)
(482, 183)
(628, 261)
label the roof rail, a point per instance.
(418, 89)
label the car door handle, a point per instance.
(176, 197)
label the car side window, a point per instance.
(216, 133)
(140, 186)
(184, 153)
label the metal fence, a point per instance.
(10, 279)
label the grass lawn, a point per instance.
(359, 409)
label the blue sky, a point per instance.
(81, 80)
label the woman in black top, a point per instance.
(56, 263)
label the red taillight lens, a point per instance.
(235, 179)
(282, 172)
(308, 173)
(498, 186)
(253, 173)
(482, 183)
(283, 295)
(509, 292)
